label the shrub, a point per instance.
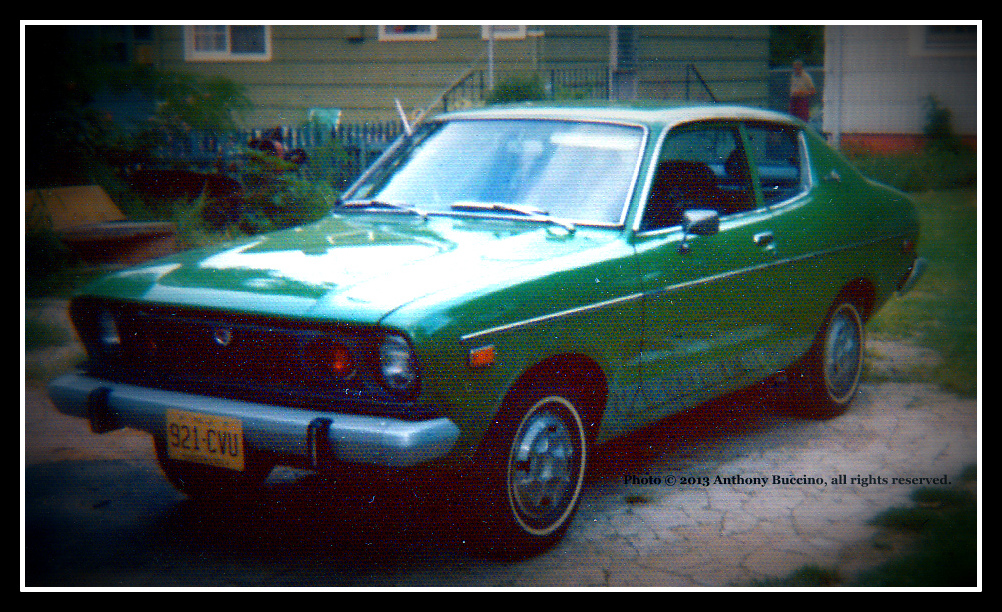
(330, 165)
(945, 162)
(44, 256)
(274, 197)
(931, 169)
(939, 133)
(517, 88)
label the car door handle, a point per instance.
(763, 239)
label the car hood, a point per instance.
(355, 267)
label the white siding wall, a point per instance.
(881, 75)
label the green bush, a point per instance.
(945, 162)
(931, 169)
(330, 165)
(44, 256)
(274, 196)
(938, 130)
(517, 88)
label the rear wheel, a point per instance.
(202, 481)
(535, 462)
(831, 373)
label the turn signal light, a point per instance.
(339, 361)
(334, 358)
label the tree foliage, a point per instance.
(71, 140)
(791, 42)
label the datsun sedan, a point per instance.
(503, 290)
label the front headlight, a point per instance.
(397, 364)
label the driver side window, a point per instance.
(701, 167)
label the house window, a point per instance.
(223, 43)
(943, 40)
(408, 32)
(503, 32)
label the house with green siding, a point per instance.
(357, 73)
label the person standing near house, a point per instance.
(801, 91)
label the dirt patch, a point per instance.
(898, 360)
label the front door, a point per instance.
(712, 303)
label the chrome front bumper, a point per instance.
(316, 437)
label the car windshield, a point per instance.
(577, 171)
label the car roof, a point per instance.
(648, 113)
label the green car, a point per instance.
(503, 290)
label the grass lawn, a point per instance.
(941, 312)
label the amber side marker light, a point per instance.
(482, 357)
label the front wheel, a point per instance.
(535, 462)
(834, 365)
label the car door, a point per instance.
(714, 304)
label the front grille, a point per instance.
(233, 355)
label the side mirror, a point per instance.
(698, 222)
(701, 222)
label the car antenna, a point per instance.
(403, 117)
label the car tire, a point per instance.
(206, 482)
(830, 377)
(532, 470)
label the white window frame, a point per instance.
(192, 54)
(504, 31)
(923, 43)
(386, 33)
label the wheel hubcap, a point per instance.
(843, 353)
(544, 470)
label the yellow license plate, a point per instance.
(206, 439)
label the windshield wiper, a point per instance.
(532, 212)
(373, 203)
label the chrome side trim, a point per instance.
(553, 315)
(676, 287)
(773, 264)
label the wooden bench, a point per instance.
(87, 221)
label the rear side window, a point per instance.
(777, 153)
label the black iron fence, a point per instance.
(667, 80)
(556, 83)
